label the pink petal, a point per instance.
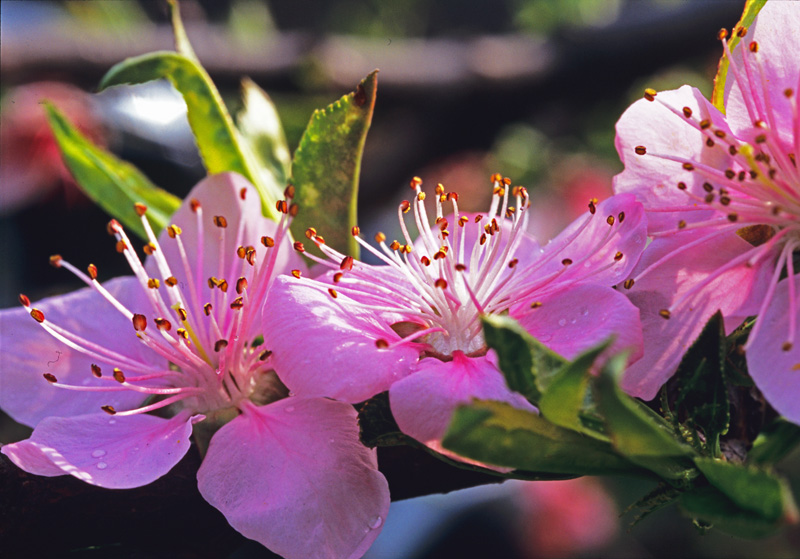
(775, 31)
(592, 249)
(736, 293)
(660, 131)
(28, 352)
(423, 403)
(578, 317)
(776, 371)
(221, 195)
(327, 347)
(111, 452)
(294, 476)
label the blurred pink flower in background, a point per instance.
(31, 167)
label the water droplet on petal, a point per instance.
(112, 421)
(584, 311)
(289, 409)
(562, 322)
(291, 393)
(98, 453)
(376, 523)
(102, 465)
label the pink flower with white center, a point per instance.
(722, 192)
(413, 327)
(184, 336)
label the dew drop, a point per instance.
(112, 421)
(291, 393)
(584, 311)
(289, 409)
(376, 523)
(102, 465)
(562, 322)
(98, 453)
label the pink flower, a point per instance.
(183, 336)
(413, 327)
(722, 193)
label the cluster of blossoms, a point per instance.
(223, 325)
(722, 194)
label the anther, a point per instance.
(140, 209)
(405, 205)
(220, 221)
(421, 197)
(536, 304)
(682, 224)
(628, 283)
(268, 242)
(618, 257)
(381, 344)
(733, 150)
(118, 375)
(687, 112)
(732, 217)
(688, 166)
(91, 269)
(171, 281)
(425, 261)
(311, 233)
(705, 124)
(37, 315)
(55, 261)
(24, 301)
(194, 204)
(163, 324)
(513, 262)
(173, 231)
(415, 182)
(640, 150)
(395, 245)
(207, 309)
(788, 92)
(621, 217)
(298, 246)
(296, 273)
(461, 267)
(567, 261)
(592, 206)
(496, 177)
(219, 345)
(96, 371)
(241, 285)
(113, 227)
(610, 220)
(50, 378)
(786, 346)
(730, 173)
(439, 189)
(264, 355)
(380, 237)
(108, 409)
(182, 312)
(741, 32)
(709, 198)
(722, 34)
(720, 134)
(650, 94)
(149, 248)
(355, 231)
(333, 293)
(753, 46)
(289, 191)
(441, 283)
(293, 210)
(139, 322)
(664, 313)
(337, 277)
(182, 333)
(153, 283)
(243, 193)
(121, 246)
(708, 187)
(237, 304)
(710, 143)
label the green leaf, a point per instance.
(774, 442)
(527, 365)
(752, 489)
(637, 432)
(751, 9)
(113, 184)
(711, 506)
(497, 433)
(182, 44)
(566, 397)
(703, 393)
(260, 127)
(327, 165)
(376, 424)
(217, 138)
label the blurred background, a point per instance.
(527, 88)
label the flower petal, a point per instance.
(28, 351)
(111, 452)
(735, 292)
(776, 371)
(294, 476)
(423, 403)
(654, 180)
(327, 347)
(578, 317)
(594, 246)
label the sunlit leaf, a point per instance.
(528, 365)
(751, 9)
(497, 433)
(113, 184)
(217, 138)
(327, 166)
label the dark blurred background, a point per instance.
(527, 88)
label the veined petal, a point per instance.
(326, 347)
(28, 352)
(594, 242)
(774, 30)
(294, 476)
(654, 180)
(578, 317)
(776, 371)
(111, 452)
(735, 292)
(423, 403)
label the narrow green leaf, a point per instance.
(497, 433)
(774, 442)
(260, 127)
(566, 397)
(711, 506)
(751, 9)
(527, 365)
(703, 394)
(113, 184)
(750, 488)
(327, 166)
(182, 44)
(217, 138)
(637, 432)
